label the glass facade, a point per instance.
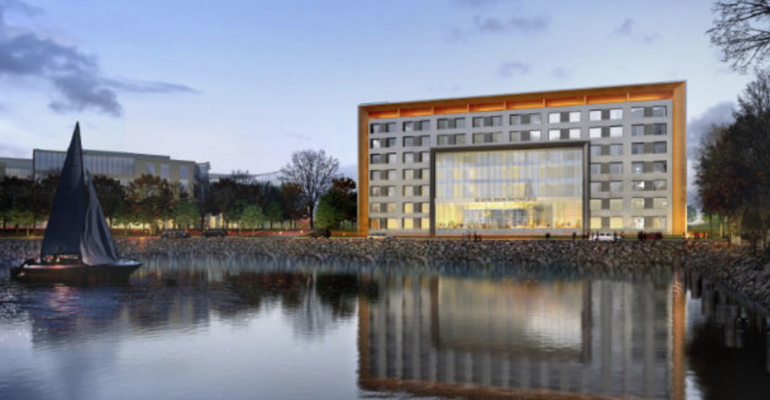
(510, 189)
(53, 161)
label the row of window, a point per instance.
(636, 222)
(521, 119)
(393, 223)
(654, 167)
(636, 149)
(637, 203)
(392, 158)
(392, 174)
(407, 190)
(407, 208)
(636, 186)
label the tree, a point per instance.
(740, 30)
(274, 212)
(329, 213)
(291, 196)
(252, 216)
(312, 171)
(111, 195)
(185, 214)
(339, 204)
(692, 213)
(733, 164)
(16, 201)
(152, 199)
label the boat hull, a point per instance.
(78, 274)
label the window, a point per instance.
(408, 126)
(616, 114)
(489, 137)
(554, 118)
(637, 130)
(424, 156)
(392, 223)
(660, 203)
(637, 112)
(616, 131)
(656, 129)
(184, 172)
(616, 222)
(409, 174)
(408, 208)
(658, 222)
(525, 119)
(596, 150)
(460, 138)
(424, 223)
(616, 149)
(659, 167)
(554, 134)
(408, 157)
(574, 116)
(391, 174)
(637, 203)
(616, 186)
(638, 222)
(596, 169)
(425, 125)
(595, 115)
(637, 168)
(375, 208)
(480, 122)
(637, 186)
(637, 148)
(425, 208)
(654, 111)
(574, 133)
(375, 144)
(451, 123)
(595, 133)
(408, 141)
(659, 184)
(390, 207)
(392, 158)
(658, 111)
(375, 175)
(595, 204)
(616, 168)
(408, 223)
(616, 204)
(444, 140)
(596, 187)
(375, 191)
(149, 168)
(596, 222)
(659, 147)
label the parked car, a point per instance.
(379, 236)
(215, 233)
(603, 237)
(174, 234)
(320, 233)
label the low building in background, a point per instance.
(560, 162)
(15, 168)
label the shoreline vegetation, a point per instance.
(735, 267)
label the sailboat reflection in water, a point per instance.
(77, 246)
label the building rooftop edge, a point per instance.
(498, 95)
(118, 153)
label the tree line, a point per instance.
(153, 203)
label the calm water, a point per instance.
(213, 329)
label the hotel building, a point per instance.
(610, 159)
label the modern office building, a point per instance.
(609, 158)
(124, 167)
(15, 168)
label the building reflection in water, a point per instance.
(444, 336)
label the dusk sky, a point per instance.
(243, 84)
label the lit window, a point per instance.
(595, 115)
(595, 133)
(616, 222)
(574, 116)
(554, 118)
(637, 203)
(616, 131)
(534, 136)
(408, 208)
(595, 204)
(392, 158)
(616, 204)
(574, 133)
(554, 134)
(596, 223)
(391, 207)
(616, 113)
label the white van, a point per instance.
(603, 237)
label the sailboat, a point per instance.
(78, 245)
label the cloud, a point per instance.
(75, 75)
(512, 68)
(697, 128)
(10, 150)
(560, 73)
(629, 28)
(497, 25)
(719, 114)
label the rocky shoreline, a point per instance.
(732, 266)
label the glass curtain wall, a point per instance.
(510, 189)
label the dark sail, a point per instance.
(67, 220)
(96, 247)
